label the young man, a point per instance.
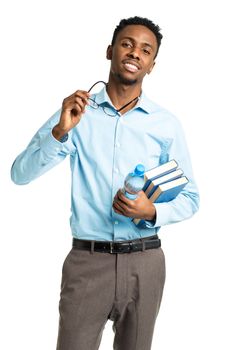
(115, 270)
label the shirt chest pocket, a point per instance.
(157, 150)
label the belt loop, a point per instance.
(92, 246)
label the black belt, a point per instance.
(114, 247)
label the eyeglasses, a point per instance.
(112, 112)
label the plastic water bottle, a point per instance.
(134, 182)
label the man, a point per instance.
(115, 270)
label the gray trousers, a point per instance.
(125, 288)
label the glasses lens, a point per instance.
(92, 103)
(110, 111)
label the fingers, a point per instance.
(122, 209)
(76, 102)
(121, 196)
(122, 205)
(132, 208)
(81, 99)
(78, 106)
(118, 205)
(121, 200)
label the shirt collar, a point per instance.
(147, 105)
(144, 103)
(102, 97)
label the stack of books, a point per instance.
(163, 183)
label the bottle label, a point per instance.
(130, 195)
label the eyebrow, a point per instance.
(133, 40)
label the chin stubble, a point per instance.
(125, 81)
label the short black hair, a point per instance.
(138, 21)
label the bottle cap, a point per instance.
(139, 170)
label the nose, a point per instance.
(134, 53)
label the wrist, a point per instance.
(151, 215)
(58, 132)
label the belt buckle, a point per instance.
(129, 248)
(113, 250)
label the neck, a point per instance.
(120, 93)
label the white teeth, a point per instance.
(131, 67)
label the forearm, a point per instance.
(181, 208)
(36, 159)
(42, 153)
(187, 202)
(46, 148)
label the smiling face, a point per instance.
(132, 55)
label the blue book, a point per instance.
(169, 190)
(175, 174)
(165, 193)
(158, 171)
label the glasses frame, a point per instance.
(116, 111)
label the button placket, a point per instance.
(116, 176)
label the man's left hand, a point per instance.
(140, 208)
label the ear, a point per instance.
(151, 68)
(109, 52)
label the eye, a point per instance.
(126, 44)
(146, 51)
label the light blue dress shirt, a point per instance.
(103, 150)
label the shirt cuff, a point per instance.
(146, 223)
(64, 138)
(150, 224)
(163, 213)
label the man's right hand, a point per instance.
(73, 108)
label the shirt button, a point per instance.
(116, 222)
(116, 170)
(118, 145)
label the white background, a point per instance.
(49, 49)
